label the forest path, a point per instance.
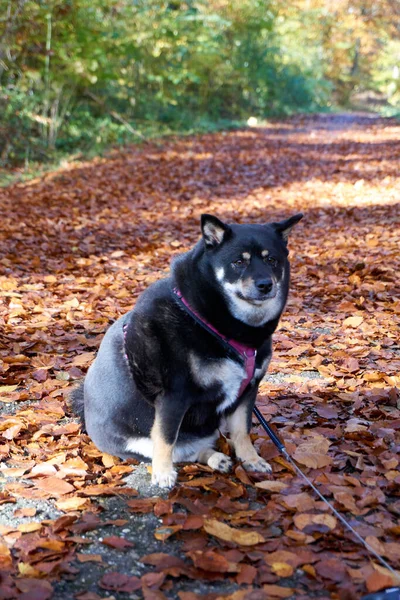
(78, 246)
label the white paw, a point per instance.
(258, 465)
(164, 479)
(220, 462)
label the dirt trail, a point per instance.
(76, 249)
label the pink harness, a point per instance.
(246, 353)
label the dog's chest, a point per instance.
(225, 372)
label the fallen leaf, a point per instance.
(229, 534)
(304, 520)
(117, 542)
(271, 486)
(118, 582)
(277, 591)
(54, 487)
(313, 453)
(378, 581)
(209, 561)
(83, 558)
(353, 321)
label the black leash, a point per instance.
(281, 447)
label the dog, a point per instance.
(187, 361)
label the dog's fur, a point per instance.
(162, 385)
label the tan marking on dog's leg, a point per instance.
(163, 472)
(244, 449)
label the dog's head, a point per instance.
(250, 265)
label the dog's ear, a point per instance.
(214, 231)
(285, 227)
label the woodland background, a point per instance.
(77, 76)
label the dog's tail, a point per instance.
(76, 401)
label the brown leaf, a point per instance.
(247, 574)
(88, 596)
(151, 594)
(117, 542)
(34, 589)
(25, 512)
(277, 591)
(153, 580)
(83, 558)
(142, 505)
(332, 569)
(118, 582)
(193, 522)
(313, 453)
(326, 411)
(378, 581)
(163, 507)
(163, 533)
(209, 561)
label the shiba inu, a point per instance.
(187, 361)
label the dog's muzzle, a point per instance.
(259, 291)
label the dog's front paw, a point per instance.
(220, 462)
(258, 465)
(164, 479)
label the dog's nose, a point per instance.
(264, 285)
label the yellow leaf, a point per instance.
(304, 519)
(29, 527)
(353, 321)
(272, 486)
(73, 503)
(7, 389)
(83, 359)
(26, 570)
(163, 533)
(5, 556)
(229, 534)
(309, 569)
(282, 569)
(108, 460)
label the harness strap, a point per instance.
(247, 353)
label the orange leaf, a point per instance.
(54, 486)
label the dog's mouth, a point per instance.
(259, 299)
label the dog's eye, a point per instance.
(239, 263)
(271, 261)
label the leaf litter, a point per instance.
(80, 245)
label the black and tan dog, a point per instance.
(188, 360)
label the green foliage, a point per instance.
(386, 75)
(81, 75)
